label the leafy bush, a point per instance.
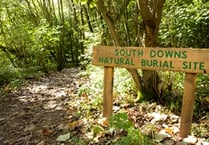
(185, 24)
(12, 77)
(202, 96)
(8, 73)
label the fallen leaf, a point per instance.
(175, 129)
(157, 117)
(74, 124)
(169, 142)
(46, 132)
(103, 121)
(42, 142)
(169, 131)
(190, 139)
(205, 143)
(63, 137)
(162, 135)
(29, 127)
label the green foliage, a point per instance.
(8, 73)
(90, 40)
(201, 96)
(90, 3)
(124, 89)
(14, 78)
(121, 121)
(203, 85)
(200, 129)
(133, 137)
(31, 38)
(171, 89)
(91, 91)
(185, 24)
(123, 81)
(45, 39)
(125, 16)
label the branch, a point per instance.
(145, 13)
(3, 48)
(159, 10)
(109, 21)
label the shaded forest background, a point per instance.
(39, 36)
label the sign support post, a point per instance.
(187, 105)
(108, 92)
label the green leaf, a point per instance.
(121, 121)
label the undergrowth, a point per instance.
(133, 136)
(171, 88)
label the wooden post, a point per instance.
(187, 105)
(108, 92)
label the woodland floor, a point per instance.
(44, 109)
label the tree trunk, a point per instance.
(150, 78)
(151, 14)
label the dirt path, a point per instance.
(36, 114)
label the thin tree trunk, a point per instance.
(60, 55)
(34, 16)
(88, 19)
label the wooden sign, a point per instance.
(172, 59)
(190, 61)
